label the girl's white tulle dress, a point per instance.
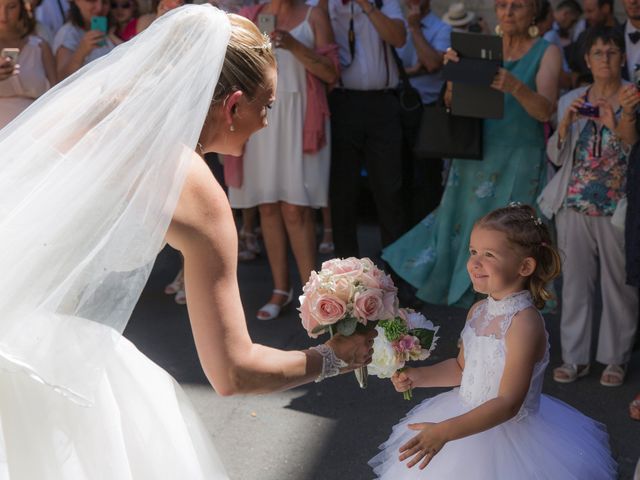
(547, 439)
(141, 426)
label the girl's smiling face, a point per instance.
(495, 266)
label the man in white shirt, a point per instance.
(365, 117)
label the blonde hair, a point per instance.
(249, 55)
(525, 231)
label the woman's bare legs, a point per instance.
(275, 242)
(300, 224)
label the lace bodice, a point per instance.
(485, 352)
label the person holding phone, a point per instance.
(27, 67)
(85, 37)
(591, 146)
(286, 166)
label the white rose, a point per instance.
(384, 362)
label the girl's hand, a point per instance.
(607, 115)
(8, 68)
(283, 39)
(424, 446)
(629, 98)
(89, 41)
(506, 82)
(402, 381)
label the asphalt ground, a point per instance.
(328, 431)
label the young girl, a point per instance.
(497, 425)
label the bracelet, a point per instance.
(331, 364)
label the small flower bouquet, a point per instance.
(409, 336)
(346, 295)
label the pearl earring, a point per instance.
(232, 128)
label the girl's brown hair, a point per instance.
(523, 228)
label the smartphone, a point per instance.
(266, 22)
(11, 53)
(589, 110)
(100, 24)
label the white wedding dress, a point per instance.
(141, 426)
(546, 440)
(90, 175)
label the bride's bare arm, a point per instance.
(204, 231)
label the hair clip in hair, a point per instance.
(543, 244)
(514, 204)
(537, 220)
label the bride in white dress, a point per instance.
(95, 177)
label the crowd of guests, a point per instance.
(568, 142)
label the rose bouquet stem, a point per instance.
(408, 394)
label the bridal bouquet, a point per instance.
(408, 336)
(345, 295)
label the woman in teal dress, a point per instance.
(433, 255)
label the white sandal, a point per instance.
(273, 309)
(570, 372)
(326, 247)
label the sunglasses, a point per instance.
(125, 5)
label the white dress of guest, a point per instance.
(275, 167)
(69, 36)
(19, 91)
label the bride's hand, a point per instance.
(402, 381)
(424, 446)
(356, 350)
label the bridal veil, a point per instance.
(89, 178)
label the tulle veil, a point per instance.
(90, 175)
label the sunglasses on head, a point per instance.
(116, 5)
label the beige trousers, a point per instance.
(592, 246)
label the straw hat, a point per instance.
(457, 15)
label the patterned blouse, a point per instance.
(598, 177)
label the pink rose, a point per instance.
(368, 305)
(369, 280)
(384, 280)
(313, 283)
(343, 267)
(309, 321)
(328, 309)
(343, 289)
(390, 305)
